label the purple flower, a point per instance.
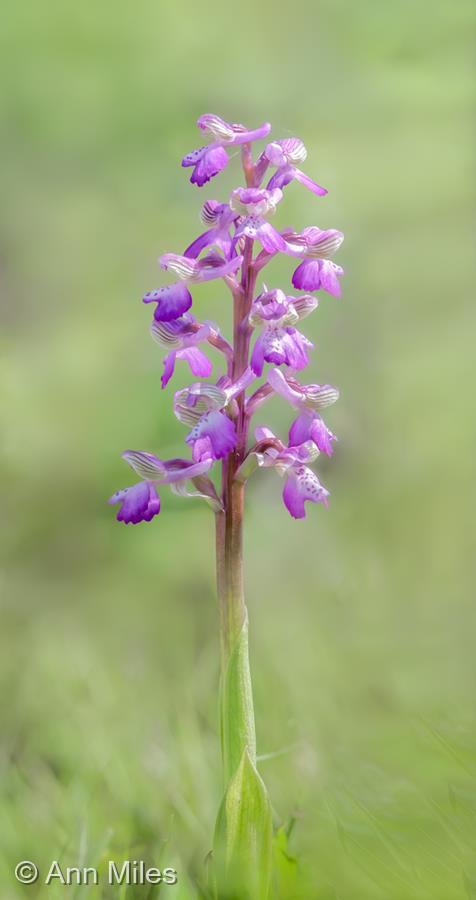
(227, 133)
(302, 396)
(141, 502)
(210, 160)
(201, 406)
(193, 270)
(207, 162)
(309, 426)
(272, 452)
(199, 363)
(173, 301)
(280, 343)
(275, 305)
(193, 402)
(252, 205)
(313, 274)
(281, 346)
(181, 337)
(301, 483)
(284, 154)
(313, 242)
(214, 436)
(197, 399)
(221, 217)
(315, 246)
(233, 388)
(255, 201)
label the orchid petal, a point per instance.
(257, 356)
(304, 305)
(302, 396)
(139, 503)
(302, 484)
(191, 403)
(169, 368)
(208, 271)
(212, 211)
(216, 433)
(207, 162)
(216, 126)
(310, 426)
(173, 300)
(271, 239)
(307, 276)
(199, 363)
(231, 134)
(181, 490)
(309, 183)
(237, 387)
(330, 274)
(205, 269)
(145, 464)
(256, 134)
(263, 433)
(182, 469)
(203, 240)
(289, 150)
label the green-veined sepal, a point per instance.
(145, 464)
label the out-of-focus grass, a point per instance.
(362, 617)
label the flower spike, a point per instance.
(266, 330)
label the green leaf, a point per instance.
(236, 713)
(243, 837)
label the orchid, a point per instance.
(181, 337)
(253, 205)
(173, 300)
(221, 217)
(279, 342)
(301, 483)
(208, 161)
(209, 267)
(310, 426)
(261, 360)
(317, 270)
(284, 155)
(141, 502)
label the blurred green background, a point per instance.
(362, 617)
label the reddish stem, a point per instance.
(229, 523)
